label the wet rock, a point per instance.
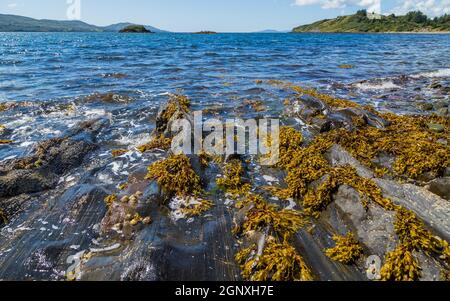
(435, 85)
(199, 251)
(307, 107)
(429, 207)
(440, 187)
(12, 184)
(50, 160)
(127, 213)
(384, 160)
(426, 107)
(431, 270)
(441, 105)
(442, 112)
(373, 226)
(311, 245)
(47, 235)
(338, 156)
(110, 98)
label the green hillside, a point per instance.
(13, 23)
(360, 22)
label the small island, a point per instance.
(363, 21)
(135, 29)
(205, 32)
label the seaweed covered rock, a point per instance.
(347, 249)
(50, 160)
(175, 176)
(278, 262)
(176, 108)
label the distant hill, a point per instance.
(12, 23)
(18, 23)
(271, 31)
(363, 22)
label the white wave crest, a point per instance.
(432, 74)
(385, 85)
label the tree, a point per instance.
(361, 13)
(416, 16)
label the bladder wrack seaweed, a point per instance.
(175, 175)
(347, 249)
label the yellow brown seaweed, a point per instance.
(347, 249)
(285, 223)
(278, 262)
(232, 181)
(175, 175)
(110, 199)
(400, 265)
(197, 208)
(159, 142)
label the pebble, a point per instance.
(437, 128)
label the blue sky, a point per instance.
(218, 15)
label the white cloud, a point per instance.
(370, 5)
(12, 5)
(431, 8)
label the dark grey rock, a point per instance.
(440, 187)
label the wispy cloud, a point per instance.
(370, 5)
(429, 7)
(12, 5)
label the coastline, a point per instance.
(384, 32)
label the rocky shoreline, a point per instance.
(352, 183)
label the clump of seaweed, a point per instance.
(445, 275)
(347, 249)
(232, 181)
(197, 208)
(346, 66)
(123, 186)
(137, 218)
(3, 217)
(285, 223)
(175, 103)
(278, 262)
(118, 152)
(413, 235)
(329, 100)
(305, 166)
(204, 159)
(290, 142)
(4, 107)
(175, 175)
(257, 105)
(400, 265)
(3, 142)
(110, 199)
(159, 142)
